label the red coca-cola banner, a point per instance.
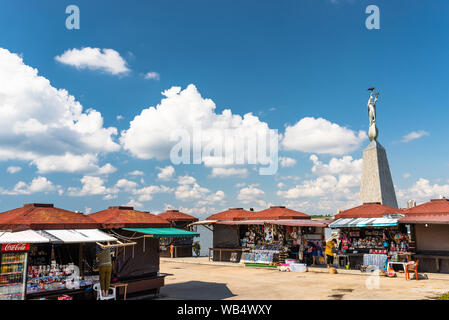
(8, 247)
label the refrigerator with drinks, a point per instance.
(13, 266)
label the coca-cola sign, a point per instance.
(8, 247)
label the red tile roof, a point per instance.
(368, 210)
(431, 207)
(233, 214)
(176, 215)
(435, 211)
(427, 218)
(127, 217)
(280, 212)
(40, 216)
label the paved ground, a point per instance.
(196, 278)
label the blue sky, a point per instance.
(281, 61)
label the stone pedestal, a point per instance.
(377, 184)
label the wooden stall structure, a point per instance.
(429, 225)
(266, 237)
(176, 247)
(137, 266)
(370, 235)
(47, 253)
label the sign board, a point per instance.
(12, 247)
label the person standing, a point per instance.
(105, 269)
(330, 245)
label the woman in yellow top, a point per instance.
(329, 252)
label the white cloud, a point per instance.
(136, 173)
(217, 197)
(281, 185)
(188, 189)
(414, 135)
(152, 75)
(72, 163)
(37, 185)
(107, 60)
(146, 193)
(251, 194)
(134, 203)
(166, 174)
(119, 117)
(321, 136)
(183, 180)
(152, 134)
(287, 162)
(423, 190)
(336, 186)
(226, 172)
(126, 185)
(13, 169)
(90, 186)
(46, 126)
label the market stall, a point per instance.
(429, 225)
(370, 236)
(45, 252)
(268, 237)
(177, 246)
(137, 266)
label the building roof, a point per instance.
(368, 210)
(233, 214)
(431, 207)
(39, 216)
(176, 215)
(280, 212)
(126, 217)
(435, 211)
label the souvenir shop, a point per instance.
(372, 242)
(272, 242)
(179, 245)
(50, 264)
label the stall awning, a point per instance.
(77, 236)
(365, 222)
(165, 232)
(203, 222)
(27, 236)
(282, 222)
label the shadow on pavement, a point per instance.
(196, 290)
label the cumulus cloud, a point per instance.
(33, 113)
(226, 172)
(107, 60)
(336, 185)
(13, 169)
(37, 185)
(414, 135)
(188, 189)
(155, 131)
(166, 174)
(423, 190)
(136, 173)
(321, 136)
(251, 194)
(286, 162)
(152, 75)
(90, 186)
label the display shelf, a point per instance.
(13, 262)
(8, 273)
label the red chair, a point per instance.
(412, 267)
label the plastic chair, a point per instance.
(411, 267)
(100, 296)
